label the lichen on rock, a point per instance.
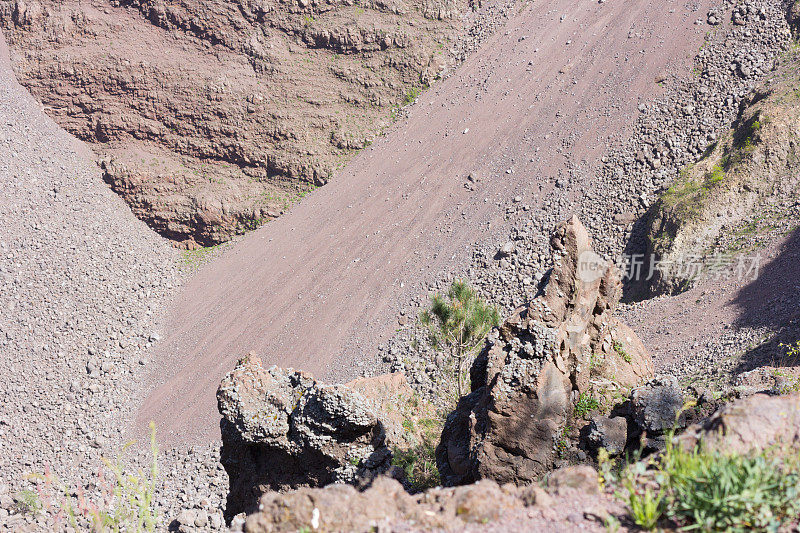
(282, 429)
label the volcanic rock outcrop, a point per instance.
(758, 422)
(282, 429)
(566, 344)
(212, 117)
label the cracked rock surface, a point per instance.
(564, 345)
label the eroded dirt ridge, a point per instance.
(212, 117)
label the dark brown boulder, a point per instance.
(564, 344)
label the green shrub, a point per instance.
(459, 322)
(412, 94)
(716, 491)
(715, 175)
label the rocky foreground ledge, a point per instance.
(559, 388)
(572, 498)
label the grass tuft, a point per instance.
(586, 404)
(419, 461)
(717, 491)
(711, 490)
(125, 504)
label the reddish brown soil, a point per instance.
(316, 289)
(691, 333)
(209, 116)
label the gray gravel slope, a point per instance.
(82, 282)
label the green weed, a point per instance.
(596, 361)
(561, 441)
(585, 404)
(717, 491)
(792, 354)
(126, 501)
(28, 501)
(646, 505)
(620, 349)
(711, 490)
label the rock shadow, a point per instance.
(772, 301)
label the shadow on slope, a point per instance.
(771, 301)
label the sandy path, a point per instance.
(317, 289)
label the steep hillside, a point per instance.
(746, 186)
(507, 141)
(82, 287)
(210, 118)
(723, 244)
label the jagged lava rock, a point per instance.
(526, 380)
(658, 405)
(282, 429)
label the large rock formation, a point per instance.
(211, 117)
(759, 422)
(566, 344)
(282, 429)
